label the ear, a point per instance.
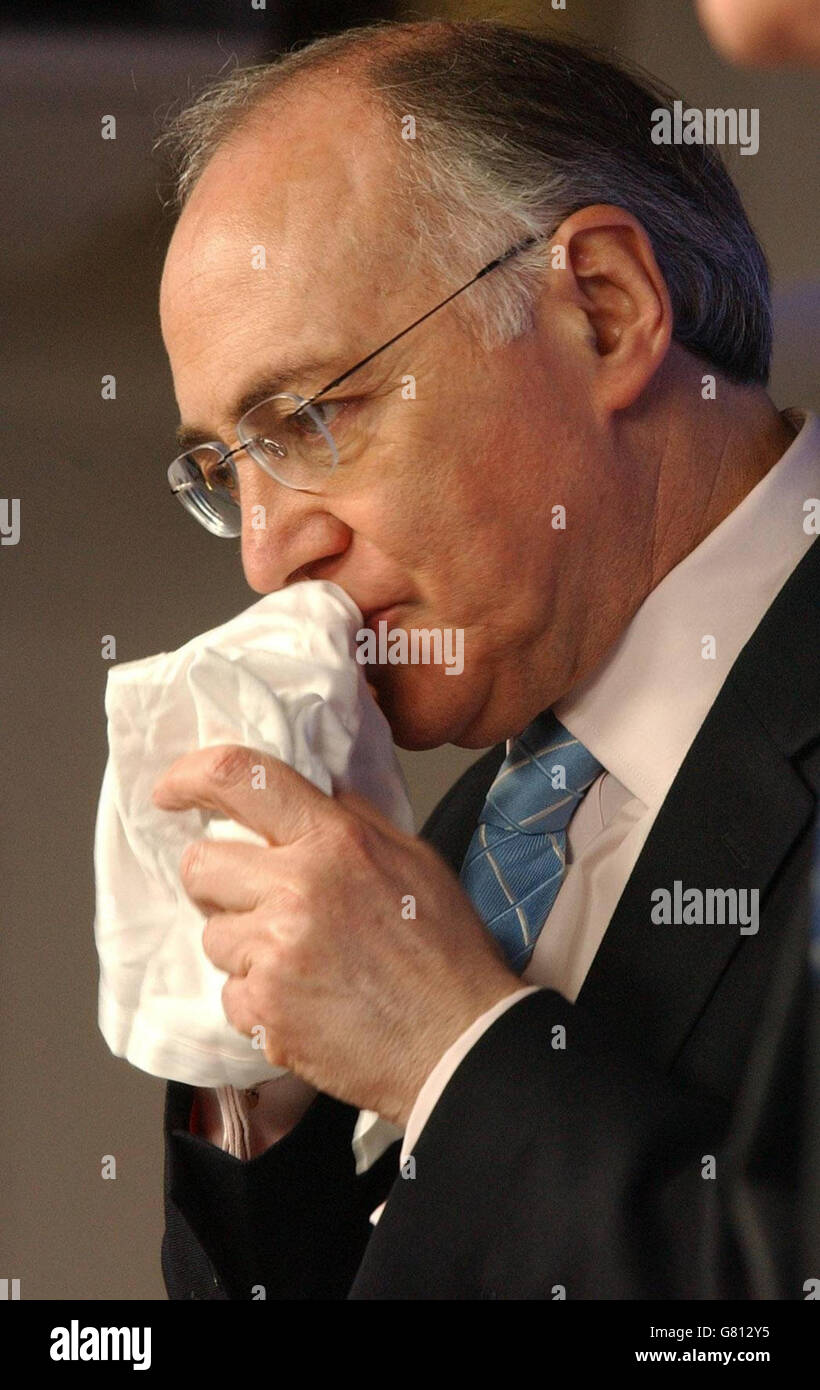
(612, 276)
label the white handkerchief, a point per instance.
(281, 677)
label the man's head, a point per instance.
(550, 385)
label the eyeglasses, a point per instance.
(286, 435)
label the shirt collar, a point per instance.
(641, 708)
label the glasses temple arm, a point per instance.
(485, 270)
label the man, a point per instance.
(571, 458)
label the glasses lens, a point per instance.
(207, 487)
(293, 445)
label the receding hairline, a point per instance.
(520, 163)
(355, 56)
(260, 123)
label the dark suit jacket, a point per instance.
(585, 1171)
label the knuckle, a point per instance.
(285, 942)
(285, 936)
(285, 897)
(262, 998)
(271, 947)
(349, 837)
(295, 959)
(230, 766)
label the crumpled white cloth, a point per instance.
(281, 677)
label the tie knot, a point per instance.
(542, 779)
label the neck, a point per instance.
(714, 452)
(690, 462)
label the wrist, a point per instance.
(476, 1000)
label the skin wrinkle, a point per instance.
(655, 538)
(722, 467)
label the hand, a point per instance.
(355, 994)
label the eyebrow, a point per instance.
(268, 384)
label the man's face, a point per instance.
(441, 511)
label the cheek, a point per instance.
(462, 509)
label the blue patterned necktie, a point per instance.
(516, 859)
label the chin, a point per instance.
(426, 708)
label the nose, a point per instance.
(286, 535)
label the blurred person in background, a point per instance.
(765, 33)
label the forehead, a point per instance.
(308, 188)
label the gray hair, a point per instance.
(513, 133)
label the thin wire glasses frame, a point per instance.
(224, 528)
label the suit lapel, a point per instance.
(731, 816)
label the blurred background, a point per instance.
(103, 549)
